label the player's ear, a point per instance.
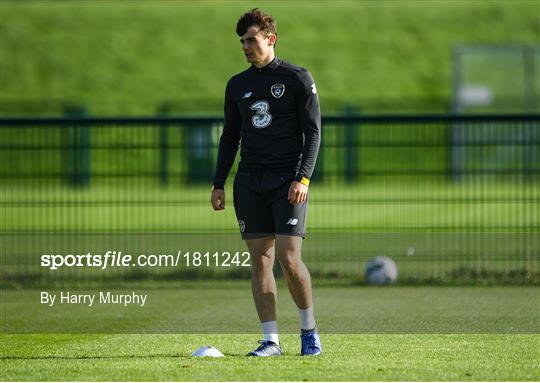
(272, 39)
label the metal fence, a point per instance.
(448, 197)
(80, 149)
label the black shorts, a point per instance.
(262, 206)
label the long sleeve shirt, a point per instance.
(273, 113)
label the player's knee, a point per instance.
(290, 263)
(262, 261)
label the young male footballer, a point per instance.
(272, 110)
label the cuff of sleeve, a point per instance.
(303, 180)
(218, 186)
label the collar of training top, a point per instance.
(270, 66)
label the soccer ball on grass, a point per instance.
(381, 271)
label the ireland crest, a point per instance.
(277, 90)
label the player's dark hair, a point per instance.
(256, 17)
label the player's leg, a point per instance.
(289, 252)
(257, 229)
(290, 224)
(263, 283)
(263, 286)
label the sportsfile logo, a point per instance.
(112, 259)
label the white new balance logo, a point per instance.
(246, 95)
(292, 221)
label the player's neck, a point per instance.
(265, 62)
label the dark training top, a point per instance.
(274, 112)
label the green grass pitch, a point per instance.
(447, 226)
(402, 333)
(478, 357)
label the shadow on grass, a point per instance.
(111, 357)
(82, 357)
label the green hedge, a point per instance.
(128, 58)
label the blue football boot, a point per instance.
(266, 348)
(311, 343)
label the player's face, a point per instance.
(258, 48)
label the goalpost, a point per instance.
(495, 79)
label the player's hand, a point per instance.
(218, 199)
(298, 192)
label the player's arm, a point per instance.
(309, 113)
(228, 146)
